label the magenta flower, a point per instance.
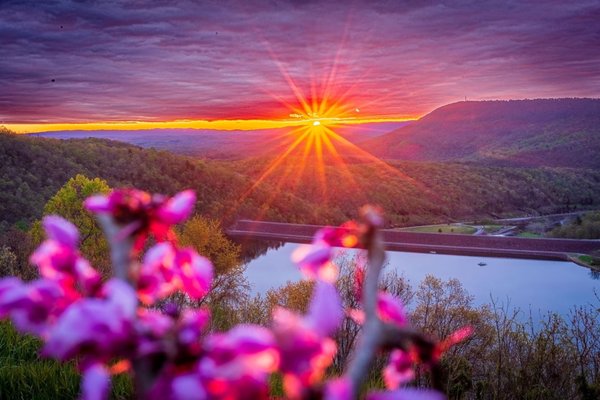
(390, 309)
(33, 307)
(190, 328)
(238, 363)
(61, 231)
(141, 213)
(195, 273)
(407, 394)
(151, 327)
(306, 350)
(95, 382)
(99, 328)
(338, 389)
(166, 269)
(314, 259)
(399, 369)
(58, 258)
(178, 208)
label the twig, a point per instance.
(120, 247)
(376, 334)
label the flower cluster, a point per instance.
(129, 324)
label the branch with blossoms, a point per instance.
(127, 325)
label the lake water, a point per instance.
(529, 284)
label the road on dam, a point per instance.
(489, 246)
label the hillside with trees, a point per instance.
(543, 132)
(33, 170)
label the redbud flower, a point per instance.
(178, 208)
(407, 394)
(95, 327)
(306, 350)
(61, 231)
(33, 306)
(141, 213)
(338, 389)
(58, 258)
(166, 269)
(95, 382)
(390, 309)
(399, 369)
(238, 363)
(314, 259)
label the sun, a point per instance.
(316, 155)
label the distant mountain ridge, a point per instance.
(542, 132)
(221, 144)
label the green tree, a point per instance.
(68, 203)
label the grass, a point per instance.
(25, 375)
(446, 228)
(492, 228)
(530, 235)
(589, 260)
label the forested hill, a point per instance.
(545, 132)
(32, 169)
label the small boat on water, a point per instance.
(482, 264)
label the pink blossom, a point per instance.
(399, 369)
(325, 311)
(95, 382)
(141, 213)
(166, 269)
(32, 307)
(187, 387)
(306, 350)
(61, 231)
(338, 389)
(178, 208)
(314, 259)
(191, 323)
(238, 363)
(62, 263)
(195, 273)
(407, 394)
(151, 327)
(157, 273)
(390, 309)
(95, 327)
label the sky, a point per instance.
(87, 62)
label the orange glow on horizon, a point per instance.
(224, 125)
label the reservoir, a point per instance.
(537, 285)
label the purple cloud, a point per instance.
(118, 60)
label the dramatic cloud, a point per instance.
(125, 60)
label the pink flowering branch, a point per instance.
(113, 326)
(379, 335)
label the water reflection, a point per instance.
(536, 285)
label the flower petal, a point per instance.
(407, 394)
(61, 230)
(95, 383)
(325, 312)
(178, 208)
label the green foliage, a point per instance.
(33, 169)
(206, 236)
(68, 203)
(585, 227)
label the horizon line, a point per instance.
(217, 125)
